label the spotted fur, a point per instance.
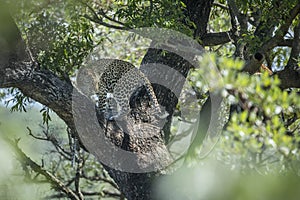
(114, 81)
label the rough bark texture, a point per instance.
(45, 87)
(167, 97)
(48, 89)
(199, 12)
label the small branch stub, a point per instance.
(254, 63)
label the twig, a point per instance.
(26, 161)
(98, 178)
(99, 21)
(221, 6)
(102, 13)
(280, 33)
(34, 136)
(54, 142)
(151, 8)
(104, 192)
(78, 176)
(91, 9)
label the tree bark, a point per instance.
(48, 89)
(45, 87)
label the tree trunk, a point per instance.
(45, 87)
(146, 156)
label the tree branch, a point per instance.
(281, 32)
(25, 160)
(99, 178)
(213, 39)
(237, 20)
(78, 176)
(103, 14)
(101, 22)
(286, 43)
(42, 86)
(103, 193)
(242, 19)
(220, 6)
(295, 53)
(254, 63)
(289, 78)
(198, 12)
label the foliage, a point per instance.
(40, 141)
(57, 33)
(263, 130)
(70, 44)
(140, 13)
(19, 101)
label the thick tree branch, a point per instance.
(242, 19)
(239, 27)
(198, 12)
(286, 43)
(281, 32)
(254, 63)
(295, 53)
(213, 39)
(289, 78)
(45, 87)
(42, 86)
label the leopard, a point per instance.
(111, 82)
